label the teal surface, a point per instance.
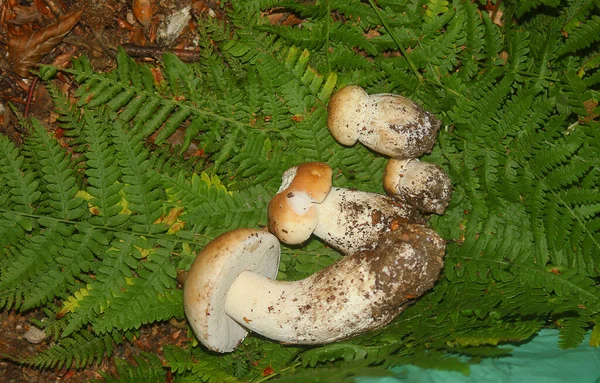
(539, 360)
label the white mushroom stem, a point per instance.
(361, 292)
(352, 220)
(349, 220)
(386, 123)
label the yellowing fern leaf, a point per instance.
(73, 301)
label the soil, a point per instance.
(13, 345)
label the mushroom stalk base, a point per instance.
(361, 292)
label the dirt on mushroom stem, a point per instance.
(362, 292)
(352, 220)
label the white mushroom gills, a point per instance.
(361, 292)
(211, 275)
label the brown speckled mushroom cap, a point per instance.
(346, 114)
(421, 184)
(214, 270)
(292, 215)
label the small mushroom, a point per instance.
(422, 184)
(386, 123)
(230, 289)
(348, 220)
(302, 188)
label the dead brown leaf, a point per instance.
(142, 9)
(27, 50)
(590, 107)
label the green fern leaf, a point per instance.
(573, 331)
(442, 52)
(493, 43)
(526, 6)
(199, 364)
(22, 183)
(142, 187)
(581, 38)
(148, 368)
(102, 174)
(79, 350)
(111, 277)
(148, 298)
(58, 176)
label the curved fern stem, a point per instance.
(537, 75)
(393, 36)
(269, 377)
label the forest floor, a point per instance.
(15, 329)
(53, 32)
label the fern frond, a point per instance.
(493, 42)
(102, 174)
(148, 298)
(213, 209)
(518, 50)
(111, 277)
(142, 188)
(442, 52)
(472, 54)
(79, 350)
(21, 182)
(200, 365)
(148, 368)
(573, 331)
(68, 116)
(526, 6)
(576, 94)
(582, 37)
(59, 177)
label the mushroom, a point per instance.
(230, 289)
(386, 123)
(421, 184)
(210, 278)
(348, 220)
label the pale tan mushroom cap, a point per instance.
(346, 114)
(292, 212)
(216, 267)
(422, 184)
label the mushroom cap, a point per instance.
(292, 212)
(346, 114)
(422, 184)
(214, 270)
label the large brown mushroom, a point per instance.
(230, 289)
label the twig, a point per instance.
(156, 52)
(495, 10)
(30, 96)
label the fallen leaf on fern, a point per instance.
(28, 50)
